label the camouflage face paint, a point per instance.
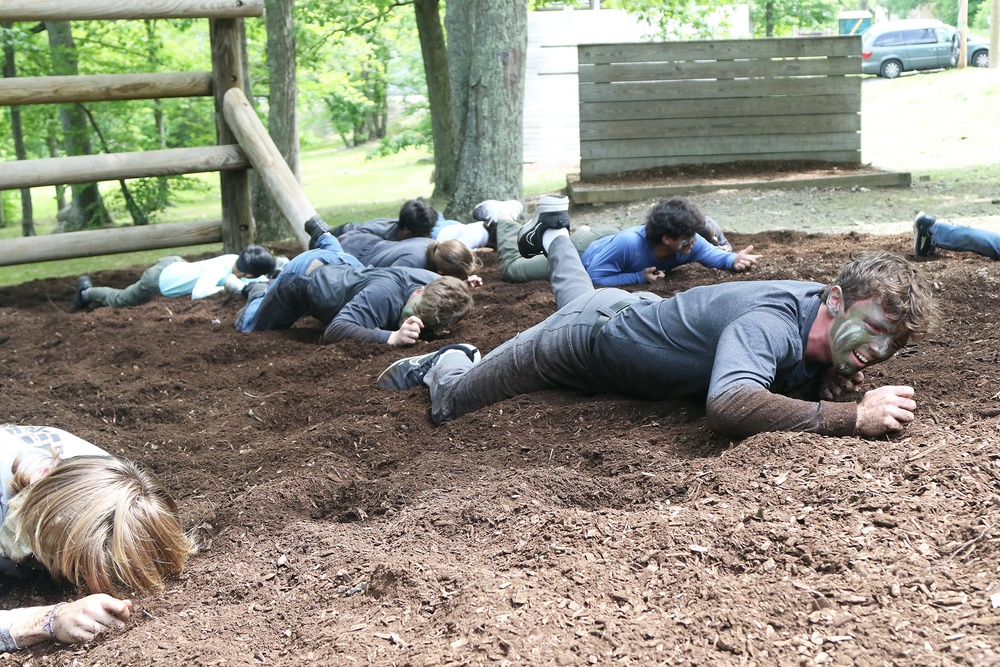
(862, 336)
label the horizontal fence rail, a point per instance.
(19, 174)
(30, 249)
(112, 10)
(23, 91)
(656, 104)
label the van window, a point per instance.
(894, 38)
(920, 36)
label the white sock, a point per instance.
(549, 235)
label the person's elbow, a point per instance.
(720, 419)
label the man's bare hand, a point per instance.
(836, 386)
(885, 410)
(409, 332)
(84, 619)
(652, 274)
(744, 260)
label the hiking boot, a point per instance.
(409, 372)
(315, 227)
(80, 300)
(922, 244)
(712, 233)
(492, 210)
(550, 213)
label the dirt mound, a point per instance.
(338, 527)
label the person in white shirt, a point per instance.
(173, 277)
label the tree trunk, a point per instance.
(281, 122)
(769, 19)
(487, 41)
(53, 145)
(86, 210)
(435, 54)
(27, 212)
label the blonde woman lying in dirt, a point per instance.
(85, 516)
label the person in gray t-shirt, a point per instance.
(742, 346)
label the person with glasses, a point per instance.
(675, 233)
(646, 253)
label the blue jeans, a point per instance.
(280, 301)
(965, 239)
(554, 353)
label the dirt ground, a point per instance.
(338, 527)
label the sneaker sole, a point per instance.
(552, 208)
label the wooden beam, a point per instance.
(30, 249)
(103, 87)
(17, 174)
(239, 229)
(266, 159)
(110, 10)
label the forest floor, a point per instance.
(338, 527)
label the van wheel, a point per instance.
(891, 69)
(980, 59)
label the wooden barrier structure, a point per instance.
(236, 228)
(656, 104)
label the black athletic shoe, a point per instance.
(315, 227)
(409, 372)
(550, 213)
(80, 301)
(922, 245)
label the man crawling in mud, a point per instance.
(744, 345)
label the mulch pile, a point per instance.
(338, 527)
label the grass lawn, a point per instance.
(937, 125)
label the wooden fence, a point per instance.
(651, 105)
(236, 229)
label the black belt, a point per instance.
(604, 316)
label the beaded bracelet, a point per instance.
(50, 624)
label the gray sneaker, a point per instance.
(550, 213)
(409, 372)
(492, 210)
(80, 299)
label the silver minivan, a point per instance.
(888, 49)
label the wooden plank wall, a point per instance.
(652, 105)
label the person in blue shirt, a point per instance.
(930, 233)
(621, 257)
(646, 253)
(174, 277)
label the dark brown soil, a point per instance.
(338, 527)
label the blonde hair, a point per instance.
(452, 258)
(442, 303)
(103, 522)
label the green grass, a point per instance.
(939, 126)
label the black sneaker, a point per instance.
(80, 301)
(409, 372)
(550, 213)
(315, 227)
(922, 244)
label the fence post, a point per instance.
(228, 43)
